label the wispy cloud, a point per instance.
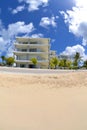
(53, 40)
(35, 4)
(18, 9)
(39, 35)
(34, 35)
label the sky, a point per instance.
(63, 21)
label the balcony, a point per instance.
(21, 45)
(29, 61)
(32, 53)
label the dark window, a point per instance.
(24, 50)
(22, 65)
(25, 42)
(31, 66)
(33, 50)
(33, 42)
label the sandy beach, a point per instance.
(43, 102)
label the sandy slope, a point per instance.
(71, 79)
(43, 102)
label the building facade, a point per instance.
(28, 48)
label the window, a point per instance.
(31, 66)
(23, 57)
(33, 50)
(33, 42)
(22, 65)
(25, 42)
(24, 50)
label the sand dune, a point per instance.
(43, 102)
(73, 79)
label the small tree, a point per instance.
(54, 62)
(61, 63)
(9, 61)
(34, 61)
(52, 66)
(69, 64)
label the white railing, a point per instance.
(27, 45)
(20, 52)
(29, 61)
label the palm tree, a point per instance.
(85, 64)
(77, 56)
(65, 63)
(34, 61)
(3, 59)
(77, 59)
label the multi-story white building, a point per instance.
(28, 48)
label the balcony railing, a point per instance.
(24, 53)
(29, 61)
(30, 45)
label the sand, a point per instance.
(43, 102)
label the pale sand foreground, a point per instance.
(43, 102)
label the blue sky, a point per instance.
(63, 21)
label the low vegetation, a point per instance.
(54, 63)
(66, 63)
(34, 61)
(7, 61)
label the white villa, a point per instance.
(28, 48)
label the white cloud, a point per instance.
(7, 36)
(20, 27)
(18, 9)
(34, 4)
(46, 21)
(37, 35)
(77, 20)
(80, 3)
(71, 51)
